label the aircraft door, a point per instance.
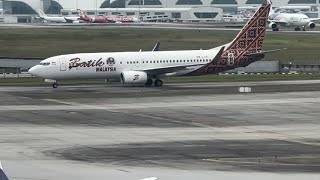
(63, 65)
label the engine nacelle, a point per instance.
(311, 25)
(134, 77)
(273, 26)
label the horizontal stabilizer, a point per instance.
(264, 52)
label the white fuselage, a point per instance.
(291, 19)
(97, 65)
(61, 19)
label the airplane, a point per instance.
(97, 19)
(3, 176)
(107, 19)
(296, 20)
(148, 67)
(58, 19)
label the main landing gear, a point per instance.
(299, 29)
(157, 82)
(55, 85)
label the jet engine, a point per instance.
(134, 77)
(311, 25)
(274, 26)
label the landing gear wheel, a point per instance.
(297, 29)
(158, 83)
(55, 85)
(275, 29)
(149, 82)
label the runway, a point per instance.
(174, 132)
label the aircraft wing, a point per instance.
(314, 19)
(280, 22)
(170, 69)
(173, 69)
(2, 174)
(263, 52)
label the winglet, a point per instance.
(156, 47)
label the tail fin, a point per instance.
(271, 8)
(81, 13)
(248, 41)
(41, 13)
(2, 174)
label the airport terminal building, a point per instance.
(24, 10)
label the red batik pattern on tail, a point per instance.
(249, 40)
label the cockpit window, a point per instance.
(45, 64)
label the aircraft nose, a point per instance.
(34, 71)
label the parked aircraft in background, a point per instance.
(151, 178)
(149, 67)
(2, 174)
(296, 20)
(58, 19)
(97, 19)
(106, 19)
